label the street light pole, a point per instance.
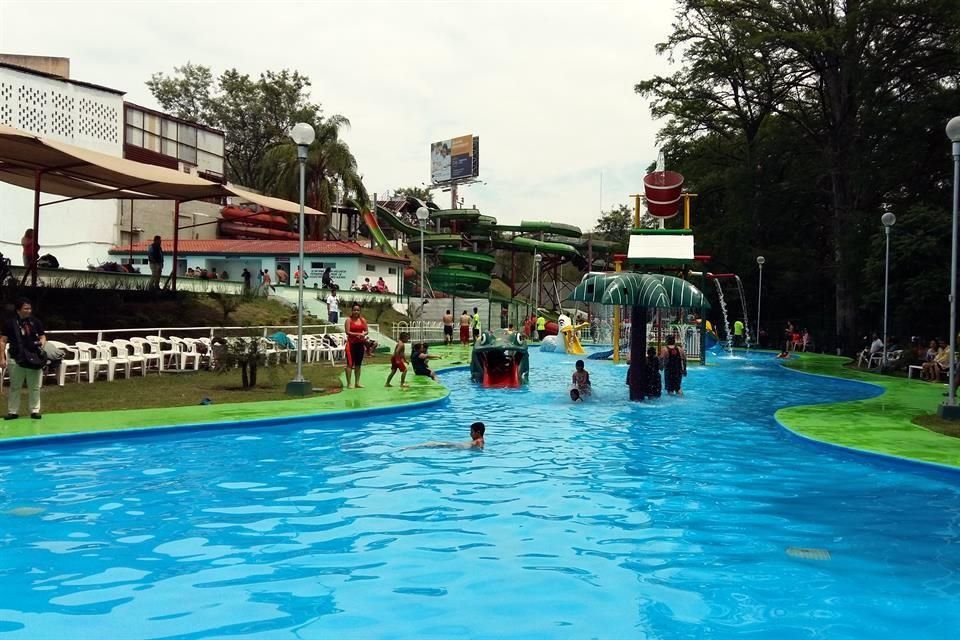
(953, 133)
(760, 261)
(303, 135)
(537, 257)
(423, 214)
(888, 219)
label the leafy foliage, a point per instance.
(256, 115)
(420, 193)
(799, 122)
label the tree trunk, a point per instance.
(253, 374)
(243, 375)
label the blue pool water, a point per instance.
(610, 520)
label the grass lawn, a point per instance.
(185, 389)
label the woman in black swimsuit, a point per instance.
(674, 366)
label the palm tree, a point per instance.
(331, 173)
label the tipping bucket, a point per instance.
(662, 190)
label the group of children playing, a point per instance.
(672, 361)
(419, 359)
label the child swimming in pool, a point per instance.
(477, 430)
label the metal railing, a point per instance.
(421, 330)
(195, 332)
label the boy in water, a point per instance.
(398, 361)
(581, 382)
(477, 429)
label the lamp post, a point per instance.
(953, 133)
(888, 220)
(423, 214)
(303, 135)
(537, 258)
(760, 261)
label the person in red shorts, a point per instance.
(464, 328)
(399, 362)
(356, 329)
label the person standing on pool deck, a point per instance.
(333, 307)
(448, 327)
(674, 366)
(541, 327)
(464, 328)
(738, 333)
(356, 329)
(26, 338)
(476, 323)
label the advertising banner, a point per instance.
(454, 159)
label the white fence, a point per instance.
(423, 331)
(207, 332)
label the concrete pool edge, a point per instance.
(877, 427)
(97, 424)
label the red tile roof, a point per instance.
(262, 248)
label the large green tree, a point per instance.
(256, 115)
(330, 172)
(420, 193)
(796, 121)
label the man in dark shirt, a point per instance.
(155, 258)
(246, 280)
(25, 336)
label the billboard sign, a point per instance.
(455, 159)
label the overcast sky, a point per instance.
(548, 86)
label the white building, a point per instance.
(38, 96)
(78, 113)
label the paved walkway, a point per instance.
(881, 424)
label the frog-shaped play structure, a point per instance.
(500, 362)
(568, 332)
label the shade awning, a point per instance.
(638, 289)
(75, 172)
(277, 204)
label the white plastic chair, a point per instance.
(150, 351)
(90, 356)
(115, 357)
(169, 354)
(69, 365)
(297, 347)
(339, 350)
(133, 354)
(185, 353)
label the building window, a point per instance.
(181, 141)
(392, 271)
(371, 267)
(323, 265)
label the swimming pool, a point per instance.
(669, 519)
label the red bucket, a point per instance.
(662, 189)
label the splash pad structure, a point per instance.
(644, 292)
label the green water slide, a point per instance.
(391, 218)
(434, 240)
(456, 215)
(526, 245)
(480, 261)
(450, 279)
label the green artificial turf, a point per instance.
(883, 424)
